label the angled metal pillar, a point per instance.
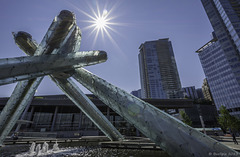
(173, 136)
(30, 115)
(25, 68)
(21, 96)
(25, 90)
(23, 116)
(86, 105)
(77, 96)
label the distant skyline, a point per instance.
(184, 22)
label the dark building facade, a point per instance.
(191, 92)
(207, 111)
(200, 93)
(57, 115)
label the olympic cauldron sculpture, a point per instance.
(58, 56)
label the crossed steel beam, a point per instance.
(57, 56)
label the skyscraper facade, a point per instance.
(191, 92)
(137, 93)
(200, 93)
(220, 57)
(158, 70)
(207, 92)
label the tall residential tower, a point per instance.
(158, 70)
(220, 57)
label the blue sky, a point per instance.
(184, 22)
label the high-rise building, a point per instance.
(200, 93)
(190, 92)
(206, 91)
(220, 57)
(137, 93)
(158, 70)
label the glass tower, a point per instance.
(158, 70)
(220, 57)
(191, 92)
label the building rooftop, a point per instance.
(63, 100)
(206, 45)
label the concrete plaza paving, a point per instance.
(228, 141)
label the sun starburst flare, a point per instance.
(101, 22)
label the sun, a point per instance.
(101, 24)
(101, 21)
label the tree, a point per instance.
(227, 121)
(186, 118)
(223, 119)
(234, 124)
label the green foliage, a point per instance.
(224, 118)
(186, 118)
(228, 121)
(234, 123)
